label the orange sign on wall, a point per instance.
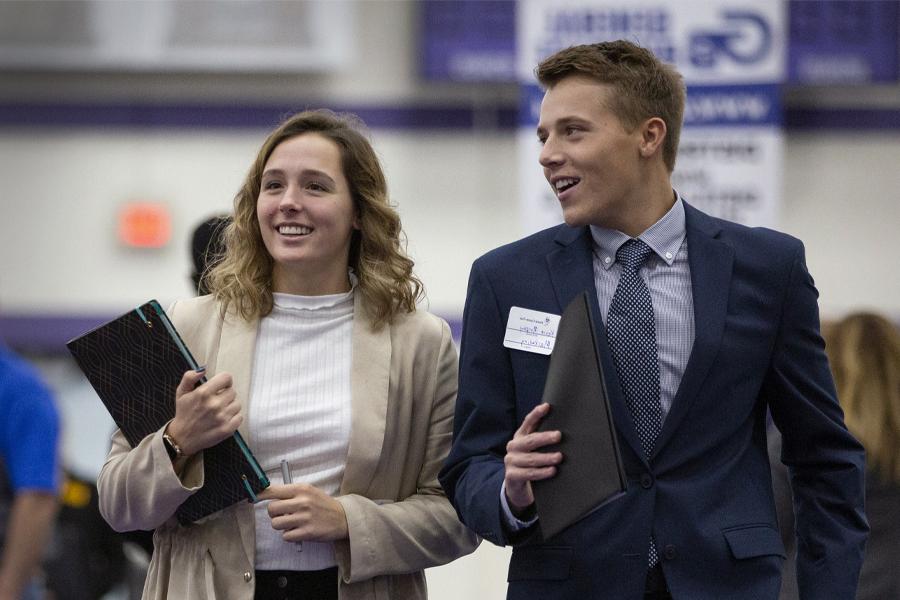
(145, 225)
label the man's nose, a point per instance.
(550, 155)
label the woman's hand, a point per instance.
(305, 513)
(205, 415)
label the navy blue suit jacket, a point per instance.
(706, 493)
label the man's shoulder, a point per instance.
(534, 245)
(743, 237)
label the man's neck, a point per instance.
(650, 205)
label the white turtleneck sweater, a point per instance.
(299, 410)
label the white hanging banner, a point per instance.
(731, 54)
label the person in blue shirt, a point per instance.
(29, 474)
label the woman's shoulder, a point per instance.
(189, 309)
(420, 327)
(421, 321)
(196, 318)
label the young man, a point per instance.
(703, 326)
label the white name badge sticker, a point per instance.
(531, 330)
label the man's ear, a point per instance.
(653, 133)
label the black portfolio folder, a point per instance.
(591, 472)
(135, 362)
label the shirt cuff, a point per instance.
(509, 519)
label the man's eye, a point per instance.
(571, 129)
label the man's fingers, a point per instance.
(533, 441)
(533, 419)
(530, 474)
(534, 459)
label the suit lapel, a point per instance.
(235, 356)
(572, 272)
(711, 262)
(369, 386)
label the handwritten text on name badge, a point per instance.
(531, 330)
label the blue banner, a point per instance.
(733, 105)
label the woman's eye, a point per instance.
(271, 185)
(316, 187)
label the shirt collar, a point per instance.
(664, 237)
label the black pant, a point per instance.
(297, 585)
(656, 587)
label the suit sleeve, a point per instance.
(423, 529)
(485, 418)
(826, 464)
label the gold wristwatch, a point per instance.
(172, 447)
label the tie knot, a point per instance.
(633, 253)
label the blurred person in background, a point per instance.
(29, 476)
(207, 247)
(314, 348)
(864, 352)
(86, 559)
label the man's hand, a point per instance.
(524, 463)
(206, 415)
(305, 513)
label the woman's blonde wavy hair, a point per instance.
(864, 352)
(241, 278)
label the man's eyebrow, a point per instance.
(562, 122)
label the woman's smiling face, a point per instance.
(307, 216)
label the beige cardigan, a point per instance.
(403, 393)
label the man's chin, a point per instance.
(574, 219)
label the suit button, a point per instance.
(670, 552)
(646, 481)
(248, 576)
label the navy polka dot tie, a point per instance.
(631, 332)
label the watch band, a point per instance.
(172, 447)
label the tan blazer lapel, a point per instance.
(236, 349)
(369, 384)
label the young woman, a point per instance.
(315, 351)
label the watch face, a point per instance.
(172, 449)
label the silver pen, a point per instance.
(286, 479)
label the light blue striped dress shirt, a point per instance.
(668, 277)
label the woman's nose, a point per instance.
(291, 200)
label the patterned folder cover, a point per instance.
(135, 363)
